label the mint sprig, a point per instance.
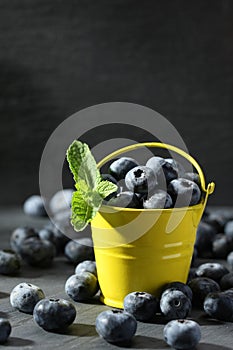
(90, 188)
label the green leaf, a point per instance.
(83, 209)
(91, 189)
(82, 163)
(105, 188)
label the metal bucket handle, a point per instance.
(207, 190)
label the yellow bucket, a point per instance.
(143, 249)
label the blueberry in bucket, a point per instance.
(159, 200)
(126, 199)
(186, 192)
(141, 179)
(119, 168)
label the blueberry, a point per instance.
(184, 192)
(5, 330)
(116, 326)
(159, 200)
(177, 166)
(9, 262)
(19, 235)
(142, 305)
(192, 177)
(88, 266)
(184, 288)
(221, 246)
(54, 314)
(230, 260)
(217, 220)
(228, 229)
(55, 236)
(82, 286)
(141, 179)
(219, 306)
(192, 274)
(61, 201)
(182, 334)
(119, 168)
(204, 237)
(226, 281)
(25, 296)
(79, 250)
(175, 304)
(34, 206)
(201, 286)
(37, 252)
(126, 199)
(212, 270)
(164, 169)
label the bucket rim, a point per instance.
(112, 209)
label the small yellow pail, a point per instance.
(143, 249)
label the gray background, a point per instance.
(57, 57)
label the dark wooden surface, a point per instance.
(26, 334)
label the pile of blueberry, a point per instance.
(161, 183)
(209, 287)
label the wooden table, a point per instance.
(26, 334)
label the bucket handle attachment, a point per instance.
(208, 190)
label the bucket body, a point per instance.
(142, 250)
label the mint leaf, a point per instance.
(82, 163)
(91, 189)
(105, 188)
(83, 211)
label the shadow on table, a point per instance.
(4, 295)
(80, 330)
(144, 342)
(18, 342)
(205, 346)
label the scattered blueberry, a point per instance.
(87, 266)
(212, 270)
(9, 262)
(217, 220)
(141, 179)
(228, 229)
(19, 235)
(219, 306)
(54, 235)
(25, 296)
(180, 286)
(230, 260)
(159, 200)
(81, 287)
(142, 305)
(5, 330)
(221, 246)
(120, 167)
(204, 238)
(116, 326)
(79, 250)
(126, 199)
(54, 314)
(201, 286)
(175, 304)
(226, 281)
(184, 192)
(182, 334)
(37, 252)
(34, 206)
(61, 201)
